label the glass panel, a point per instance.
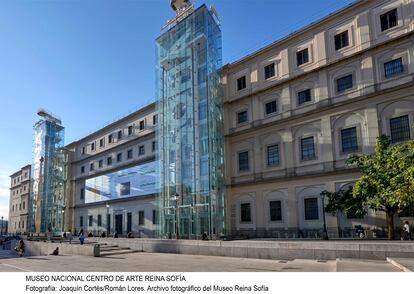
(400, 129)
(269, 71)
(308, 148)
(271, 107)
(275, 210)
(243, 161)
(273, 155)
(349, 140)
(190, 128)
(135, 181)
(242, 117)
(304, 96)
(341, 40)
(393, 67)
(311, 209)
(47, 200)
(344, 83)
(245, 212)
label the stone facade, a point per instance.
(19, 201)
(291, 106)
(125, 143)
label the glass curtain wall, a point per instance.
(190, 129)
(49, 175)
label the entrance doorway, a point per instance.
(118, 224)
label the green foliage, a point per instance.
(387, 182)
(344, 201)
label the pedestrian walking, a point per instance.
(407, 231)
(81, 238)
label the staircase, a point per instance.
(107, 250)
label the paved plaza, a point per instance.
(153, 262)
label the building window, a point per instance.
(129, 154)
(244, 161)
(93, 146)
(82, 194)
(311, 209)
(341, 40)
(83, 152)
(307, 146)
(101, 143)
(245, 212)
(99, 220)
(241, 83)
(125, 188)
(141, 217)
(130, 130)
(269, 71)
(119, 157)
(110, 139)
(271, 107)
(154, 146)
(24, 204)
(304, 96)
(389, 20)
(302, 57)
(141, 125)
(273, 155)
(90, 220)
(393, 67)
(349, 140)
(92, 167)
(154, 217)
(109, 160)
(119, 135)
(100, 163)
(275, 210)
(141, 150)
(81, 221)
(400, 129)
(83, 169)
(242, 117)
(344, 83)
(154, 119)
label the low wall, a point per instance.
(46, 248)
(270, 249)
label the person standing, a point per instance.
(407, 231)
(81, 238)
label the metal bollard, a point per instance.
(96, 250)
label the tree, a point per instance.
(344, 201)
(387, 182)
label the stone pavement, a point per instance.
(404, 264)
(153, 262)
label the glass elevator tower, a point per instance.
(47, 201)
(190, 126)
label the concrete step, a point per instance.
(106, 249)
(117, 252)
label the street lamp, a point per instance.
(108, 219)
(325, 231)
(63, 220)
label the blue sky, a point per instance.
(92, 61)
